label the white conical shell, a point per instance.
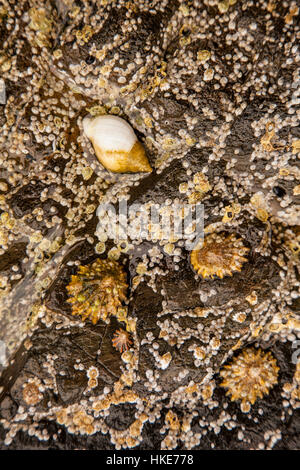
(116, 144)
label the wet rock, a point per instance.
(121, 417)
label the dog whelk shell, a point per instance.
(116, 145)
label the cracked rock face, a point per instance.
(211, 90)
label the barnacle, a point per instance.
(121, 340)
(31, 393)
(39, 20)
(292, 241)
(220, 255)
(250, 376)
(98, 290)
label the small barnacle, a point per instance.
(148, 121)
(158, 80)
(135, 428)
(100, 248)
(296, 146)
(271, 5)
(200, 185)
(183, 187)
(220, 255)
(92, 372)
(240, 317)
(39, 20)
(259, 203)
(101, 405)
(268, 136)
(208, 75)
(127, 377)
(31, 393)
(92, 383)
(5, 63)
(41, 39)
(203, 56)
(250, 376)
(294, 246)
(57, 54)
(141, 268)
(165, 360)
(201, 182)
(98, 290)
(296, 190)
(262, 214)
(121, 340)
(114, 253)
(122, 314)
(207, 391)
(85, 34)
(252, 298)
(294, 10)
(116, 145)
(230, 212)
(97, 110)
(223, 6)
(199, 353)
(62, 416)
(284, 172)
(87, 173)
(191, 389)
(184, 36)
(83, 422)
(196, 196)
(172, 421)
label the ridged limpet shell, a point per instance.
(220, 255)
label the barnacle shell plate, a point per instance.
(115, 144)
